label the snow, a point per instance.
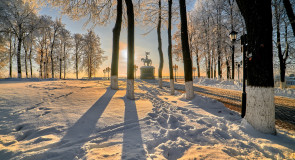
(85, 119)
(237, 85)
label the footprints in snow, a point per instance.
(44, 110)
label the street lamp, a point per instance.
(194, 69)
(233, 37)
(244, 49)
(135, 69)
(175, 67)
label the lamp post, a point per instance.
(175, 67)
(194, 69)
(244, 49)
(135, 69)
(233, 37)
(108, 69)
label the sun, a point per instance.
(124, 54)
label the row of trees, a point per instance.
(209, 24)
(39, 40)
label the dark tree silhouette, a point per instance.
(130, 60)
(116, 47)
(160, 44)
(170, 46)
(187, 61)
(290, 14)
(260, 111)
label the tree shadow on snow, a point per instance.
(132, 140)
(79, 133)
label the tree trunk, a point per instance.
(188, 77)
(26, 63)
(198, 64)
(41, 63)
(51, 54)
(116, 47)
(170, 47)
(64, 58)
(260, 111)
(219, 44)
(160, 45)
(279, 46)
(227, 69)
(77, 76)
(290, 14)
(130, 61)
(233, 61)
(10, 56)
(30, 59)
(19, 66)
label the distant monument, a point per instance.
(147, 71)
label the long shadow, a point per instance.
(132, 140)
(79, 133)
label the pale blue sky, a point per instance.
(142, 43)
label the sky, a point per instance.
(143, 43)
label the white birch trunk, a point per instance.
(130, 89)
(172, 90)
(260, 111)
(189, 90)
(114, 82)
(160, 83)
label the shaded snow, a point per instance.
(73, 119)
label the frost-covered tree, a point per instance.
(92, 53)
(15, 15)
(78, 44)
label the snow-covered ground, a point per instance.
(236, 85)
(81, 119)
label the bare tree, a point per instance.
(260, 111)
(130, 60)
(79, 44)
(186, 52)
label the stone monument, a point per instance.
(147, 71)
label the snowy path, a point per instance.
(87, 120)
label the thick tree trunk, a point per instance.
(260, 111)
(290, 14)
(116, 47)
(19, 66)
(188, 71)
(160, 45)
(130, 61)
(170, 47)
